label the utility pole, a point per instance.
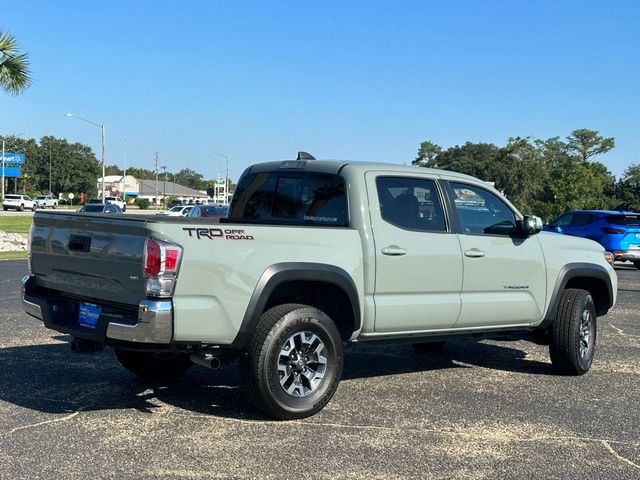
(50, 168)
(156, 170)
(164, 188)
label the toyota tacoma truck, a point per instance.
(313, 255)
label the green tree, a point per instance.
(587, 143)
(427, 154)
(113, 170)
(542, 177)
(481, 160)
(628, 189)
(14, 67)
(74, 167)
(190, 178)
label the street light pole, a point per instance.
(3, 169)
(101, 126)
(124, 177)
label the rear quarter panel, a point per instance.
(219, 272)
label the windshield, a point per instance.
(176, 209)
(40, 197)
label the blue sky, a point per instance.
(361, 80)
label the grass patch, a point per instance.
(13, 255)
(17, 224)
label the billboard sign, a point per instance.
(13, 158)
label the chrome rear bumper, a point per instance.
(154, 325)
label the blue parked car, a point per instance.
(617, 232)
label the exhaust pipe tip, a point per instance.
(205, 359)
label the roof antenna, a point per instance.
(305, 156)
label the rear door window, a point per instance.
(411, 203)
(582, 219)
(292, 198)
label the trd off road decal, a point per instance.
(218, 233)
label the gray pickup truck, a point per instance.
(315, 254)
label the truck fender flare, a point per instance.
(279, 273)
(568, 272)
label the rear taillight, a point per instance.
(29, 266)
(612, 230)
(161, 264)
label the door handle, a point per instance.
(394, 251)
(474, 253)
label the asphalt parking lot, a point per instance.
(474, 411)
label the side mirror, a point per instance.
(530, 225)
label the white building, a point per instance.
(129, 186)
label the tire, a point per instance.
(154, 365)
(124, 208)
(54, 206)
(276, 382)
(21, 208)
(429, 347)
(5, 208)
(637, 263)
(33, 209)
(572, 342)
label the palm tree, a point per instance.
(14, 66)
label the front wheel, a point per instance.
(154, 365)
(33, 209)
(294, 362)
(572, 342)
(637, 263)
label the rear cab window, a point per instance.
(299, 198)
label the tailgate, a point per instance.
(96, 257)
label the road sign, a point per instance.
(10, 172)
(13, 158)
(71, 195)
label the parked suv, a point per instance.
(18, 202)
(116, 201)
(46, 201)
(617, 232)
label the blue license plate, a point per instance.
(88, 314)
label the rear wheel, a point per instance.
(572, 342)
(21, 208)
(154, 365)
(294, 362)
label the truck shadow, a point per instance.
(49, 378)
